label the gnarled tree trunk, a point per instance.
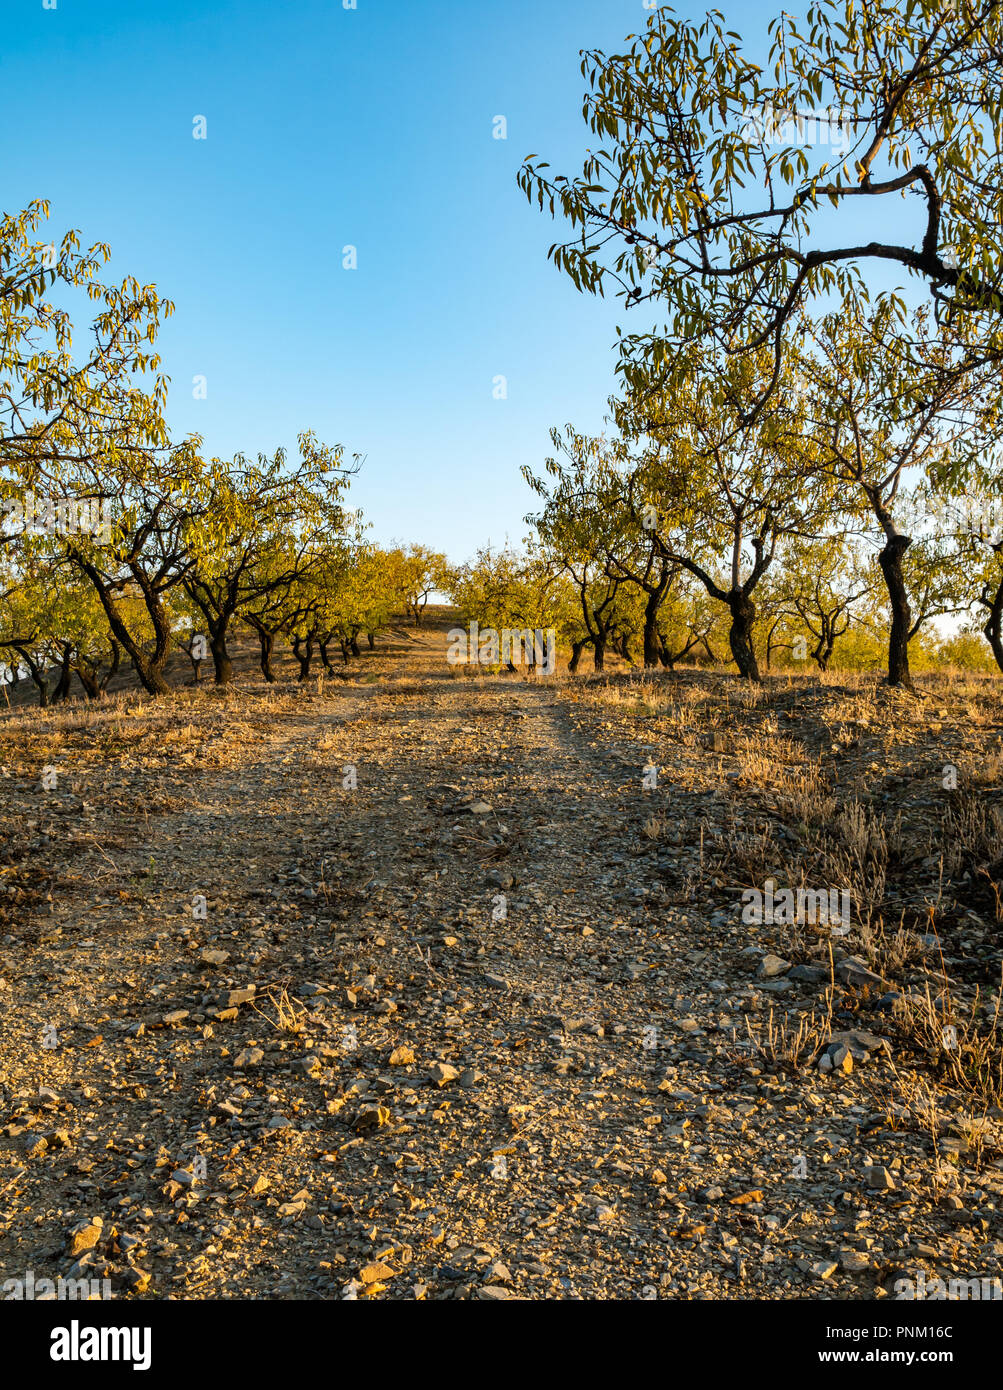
(303, 651)
(743, 617)
(890, 560)
(994, 623)
(222, 664)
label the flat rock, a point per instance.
(860, 1043)
(85, 1236)
(809, 974)
(771, 966)
(851, 970)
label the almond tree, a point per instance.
(686, 624)
(727, 196)
(818, 587)
(718, 495)
(887, 404)
(584, 531)
(80, 636)
(339, 609)
(505, 589)
(973, 522)
(988, 561)
(59, 405)
(275, 609)
(24, 623)
(422, 571)
(52, 621)
(365, 598)
(589, 524)
(252, 528)
(147, 555)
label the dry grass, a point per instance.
(837, 782)
(288, 1013)
(889, 951)
(963, 1045)
(790, 1043)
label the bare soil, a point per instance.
(471, 1011)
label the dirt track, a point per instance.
(490, 896)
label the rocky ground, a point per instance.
(429, 986)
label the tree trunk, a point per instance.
(149, 668)
(220, 657)
(62, 691)
(769, 644)
(576, 654)
(116, 661)
(371, 638)
(599, 654)
(669, 658)
(890, 560)
(266, 645)
(303, 651)
(93, 682)
(151, 677)
(88, 678)
(38, 678)
(743, 616)
(994, 624)
(652, 644)
(353, 642)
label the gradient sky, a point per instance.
(330, 127)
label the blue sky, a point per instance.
(326, 128)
